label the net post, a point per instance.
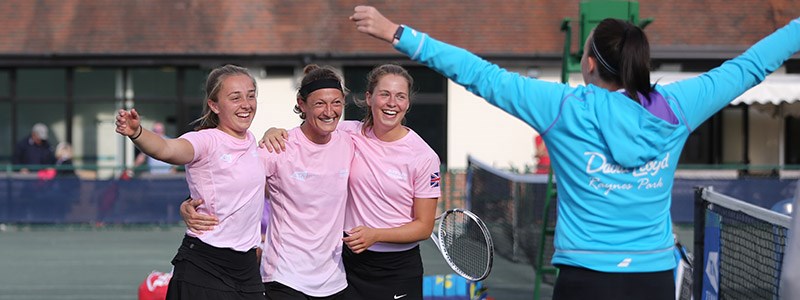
(540, 270)
(515, 228)
(699, 239)
(468, 184)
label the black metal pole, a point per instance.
(699, 239)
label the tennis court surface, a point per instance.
(87, 262)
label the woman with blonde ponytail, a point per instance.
(222, 167)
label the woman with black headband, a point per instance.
(615, 143)
(307, 184)
(393, 191)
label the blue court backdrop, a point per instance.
(762, 192)
(157, 199)
(71, 200)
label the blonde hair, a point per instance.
(213, 84)
(373, 78)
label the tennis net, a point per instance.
(514, 209)
(740, 245)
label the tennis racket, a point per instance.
(465, 243)
(683, 273)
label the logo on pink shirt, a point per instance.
(396, 174)
(300, 175)
(435, 178)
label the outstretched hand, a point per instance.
(128, 122)
(370, 21)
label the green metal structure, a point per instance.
(591, 13)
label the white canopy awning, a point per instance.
(775, 89)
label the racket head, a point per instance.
(465, 243)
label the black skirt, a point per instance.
(383, 275)
(203, 271)
(582, 283)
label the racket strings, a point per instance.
(465, 244)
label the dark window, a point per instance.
(700, 65)
(42, 84)
(428, 121)
(95, 83)
(793, 66)
(6, 139)
(5, 91)
(792, 152)
(193, 87)
(154, 83)
(6, 144)
(704, 144)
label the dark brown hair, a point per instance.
(312, 73)
(623, 53)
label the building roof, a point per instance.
(65, 28)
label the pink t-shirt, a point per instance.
(229, 175)
(308, 192)
(385, 177)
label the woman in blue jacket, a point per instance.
(615, 143)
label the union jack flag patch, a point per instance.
(435, 179)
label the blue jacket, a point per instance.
(615, 160)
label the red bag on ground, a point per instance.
(154, 287)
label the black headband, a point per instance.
(325, 83)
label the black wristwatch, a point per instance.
(398, 33)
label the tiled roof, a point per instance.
(272, 27)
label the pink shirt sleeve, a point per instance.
(200, 143)
(427, 179)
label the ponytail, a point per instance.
(635, 63)
(624, 52)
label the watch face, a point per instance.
(399, 32)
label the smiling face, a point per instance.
(322, 109)
(235, 105)
(389, 101)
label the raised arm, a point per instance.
(370, 21)
(535, 102)
(174, 151)
(702, 96)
